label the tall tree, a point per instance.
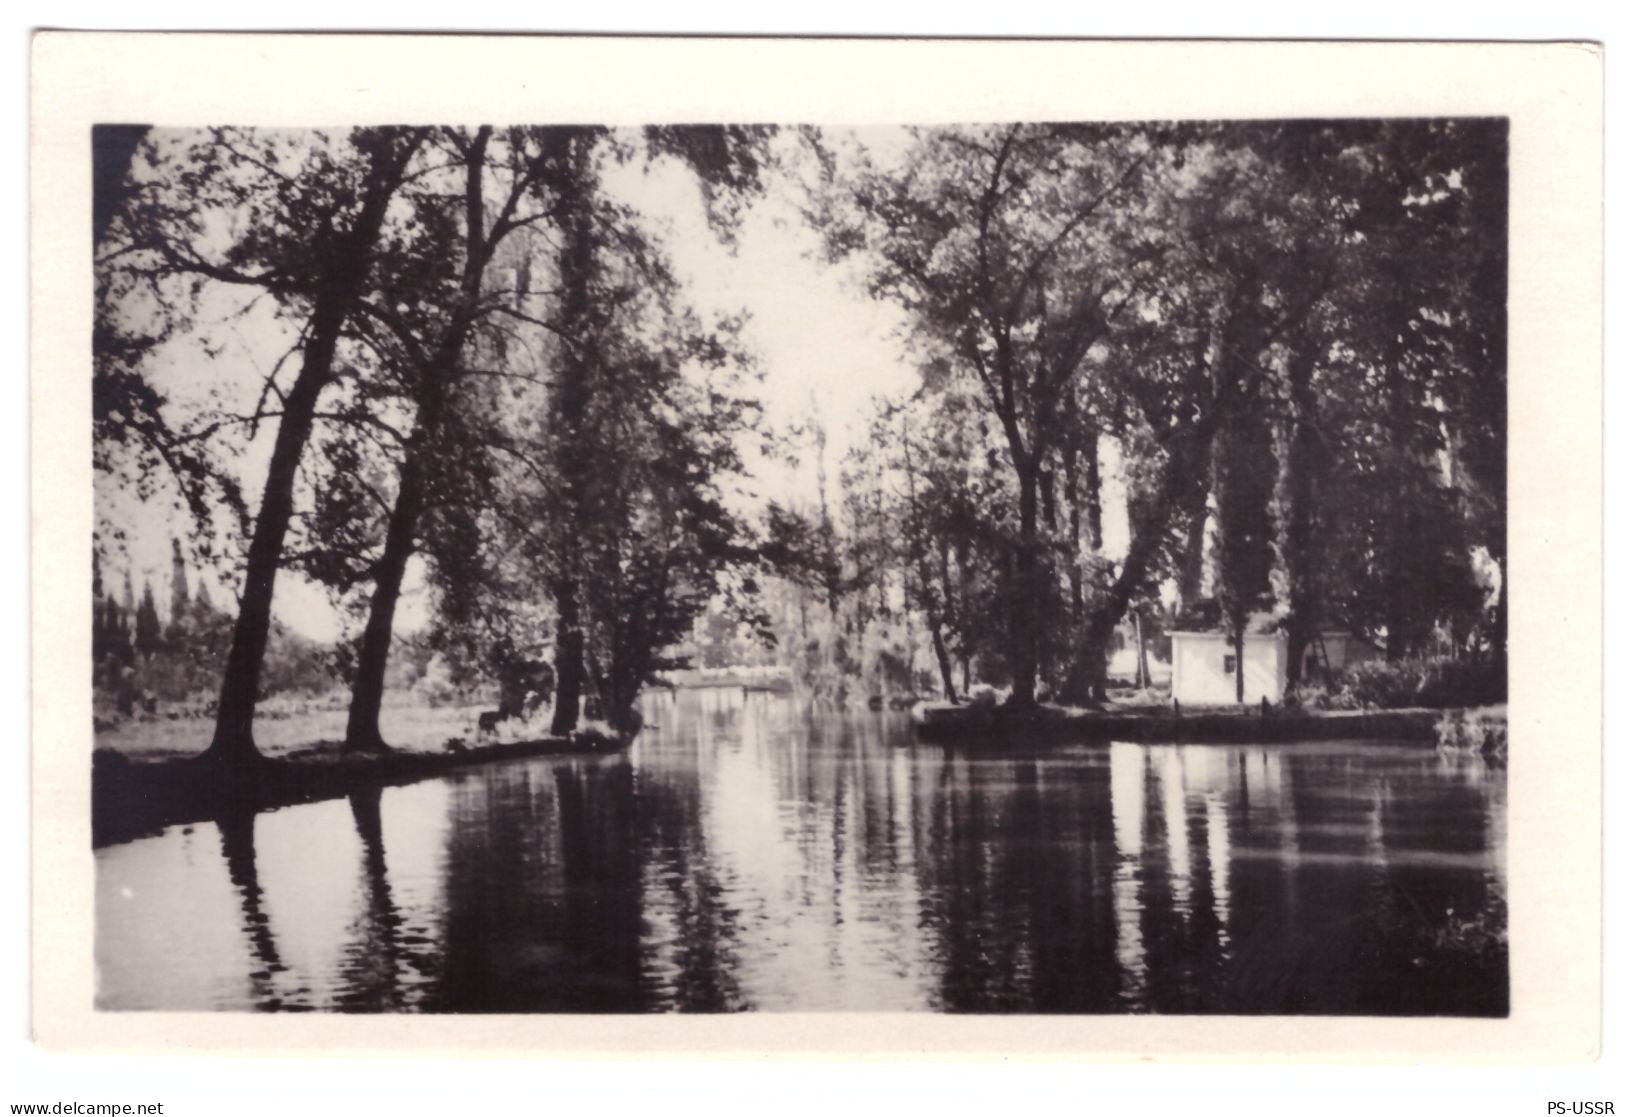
(1243, 479)
(304, 223)
(180, 598)
(433, 340)
(343, 254)
(1013, 249)
(604, 268)
(148, 629)
(1389, 392)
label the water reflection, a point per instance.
(752, 853)
(237, 848)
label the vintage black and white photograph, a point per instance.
(1036, 567)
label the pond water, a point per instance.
(750, 852)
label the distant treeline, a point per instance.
(151, 658)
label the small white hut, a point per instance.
(1204, 668)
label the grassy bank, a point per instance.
(281, 728)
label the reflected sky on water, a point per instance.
(755, 853)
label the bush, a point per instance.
(1461, 682)
(1378, 684)
(1435, 683)
(1313, 696)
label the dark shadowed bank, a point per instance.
(971, 724)
(130, 798)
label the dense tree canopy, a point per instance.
(1227, 374)
(1291, 332)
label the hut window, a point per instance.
(1229, 665)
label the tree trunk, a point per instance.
(237, 849)
(1298, 489)
(400, 542)
(962, 576)
(568, 651)
(1151, 525)
(944, 664)
(435, 384)
(1046, 492)
(1400, 527)
(239, 690)
(1091, 487)
(1193, 561)
(572, 390)
(1241, 666)
(1088, 678)
(1142, 668)
(367, 694)
(347, 267)
(1024, 627)
(1069, 466)
(1298, 638)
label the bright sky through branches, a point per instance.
(820, 341)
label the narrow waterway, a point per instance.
(750, 852)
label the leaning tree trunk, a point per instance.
(437, 377)
(239, 690)
(362, 733)
(347, 267)
(934, 620)
(1187, 460)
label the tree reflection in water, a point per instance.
(756, 853)
(375, 955)
(542, 908)
(242, 867)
